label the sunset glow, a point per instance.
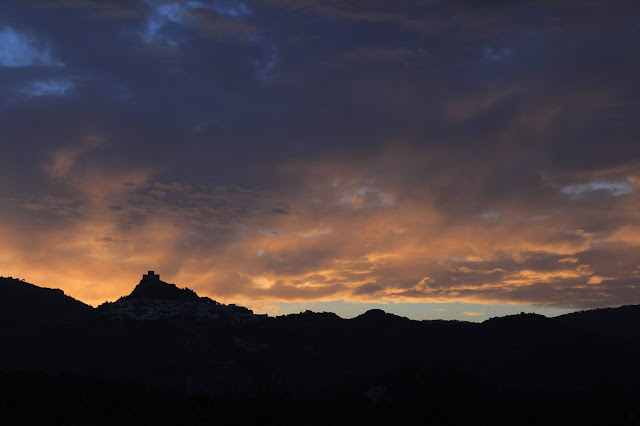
(442, 160)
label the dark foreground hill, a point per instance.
(19, 299)
(162, 338)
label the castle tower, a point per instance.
(151, 276)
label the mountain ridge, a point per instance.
(154, 289)
(170, 338)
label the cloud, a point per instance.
(496, 54)
(64, 159)
(371, 11)
(185, 13)
(49, 87)
(265, 65)
(21, 50)
(101, 9)
(628, 234)
(181, 25)
(108, 241)
(615, 188)
(359, 151)
(226, 242)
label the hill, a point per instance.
(27, 301)
(169, 338)
(622, 322)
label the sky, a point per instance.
(450, 159)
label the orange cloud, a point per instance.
(307, 242)
(64, 158)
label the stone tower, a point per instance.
(151, 276)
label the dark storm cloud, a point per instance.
(292, 150)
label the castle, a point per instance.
(151, 276)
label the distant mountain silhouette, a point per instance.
(378, 316)
(169, 338)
